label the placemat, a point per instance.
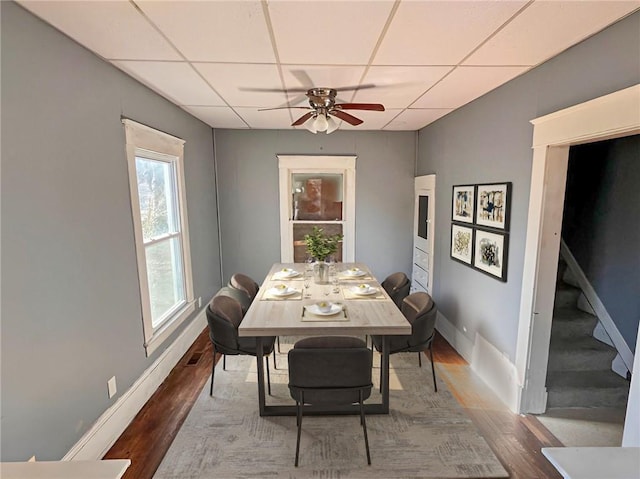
(348, 294)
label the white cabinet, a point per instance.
(422, 271)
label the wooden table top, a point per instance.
(270, 316)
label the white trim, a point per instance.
(599, 309)
(345, 165)
(425, 186)
(154, 144)
(610, 116)
(95, 443)
(492, 366)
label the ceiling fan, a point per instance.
(323, 107)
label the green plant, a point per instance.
(320, 245)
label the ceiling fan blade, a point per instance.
(364, 86)
(360, 106)
(285, 108)
(302, 119)
(352, 120)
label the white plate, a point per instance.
(287, 273)
(313, 308)
(364, 292)
(356, 274)
(283, 292)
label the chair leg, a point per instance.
(275, 366)
(224, 362)
(299, 421)
(278, 342)
(420, 358)
(364, 428)
(213, 371)
(433, 369)
(268, 378)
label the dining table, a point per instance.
(288, 304)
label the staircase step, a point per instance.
(566, 295)
(586, 389)
(579, 354)
(571, 322)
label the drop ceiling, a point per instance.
(426, 58)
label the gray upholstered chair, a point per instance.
(420, 311)
(248, 286)
(224, 315)
(334, 370)
(244, 283)
(397, 287)
(240, 296)
(236, 294)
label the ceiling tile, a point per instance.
(272, 119)
(217, 116)
(113, 30)
(546, 28)
(307, 76)
(177, 81)
(235, 82)
(214, 31)
(399, 87)
(441, 32)
(415, 119)
(465, 84)
(333, 33)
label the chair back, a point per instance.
(245, 283)
(397, 287)
(237, 294)
(224, 315)
(330, 370)
(420, 310)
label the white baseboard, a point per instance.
(95, 443)
(492, 366)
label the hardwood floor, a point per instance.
(516, 440)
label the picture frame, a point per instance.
(462, 243)
(493, 205)
(491, 253)
(463, 205)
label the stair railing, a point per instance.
(624, 352)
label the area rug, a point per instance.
(426, 434)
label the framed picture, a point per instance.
(463, 203)
(461, 243)
(491, 253)
(492, 205)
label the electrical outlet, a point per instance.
(111, 386)
(199, 301)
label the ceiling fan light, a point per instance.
(321, 123)
(311, 125)
(332, 124)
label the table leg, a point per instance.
(384, 364)
(260, 365)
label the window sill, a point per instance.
(164, 331)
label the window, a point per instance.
(316, 191)
(159, 213)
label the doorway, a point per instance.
(611, 116)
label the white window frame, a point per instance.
(345, 165)
(147, 142)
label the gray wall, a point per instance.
(70, 297)
(489, 140)
(602, 202)
(248, 194)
